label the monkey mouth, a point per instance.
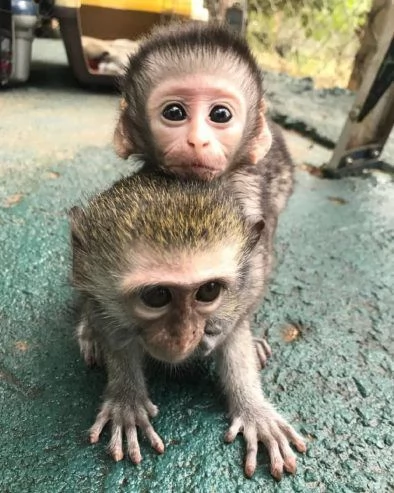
(169, 357)
(167, 353)
(196, 168)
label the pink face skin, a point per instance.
(197, 123)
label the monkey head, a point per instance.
(163, 261)
(193, 101)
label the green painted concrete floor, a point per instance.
(329, 316)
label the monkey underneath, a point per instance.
(193, 103)
(164, 267)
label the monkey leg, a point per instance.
(250, 412)
(263, 351)
(127, 405)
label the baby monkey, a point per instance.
(164, 268)
(193, 103)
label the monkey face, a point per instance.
(172, 319)
(197, 123)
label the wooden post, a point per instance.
(369, 37)
(371, 117)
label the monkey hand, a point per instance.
(263, 351)
(126, 417)
(266, 425)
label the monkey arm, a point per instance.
(126, 404)
(250, 412)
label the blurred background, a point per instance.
(330, 41)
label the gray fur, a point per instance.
(97, 254)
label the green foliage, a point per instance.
(334, 16)
(308, 37)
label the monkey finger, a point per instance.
(133, 447)
(155, 441)
(251, 451)
(293, 436)
(151, 408)
(261, 355)
(102, 419)
(290, 463)
(232, 432)
(267, 347)
(276, 459)
(263, 350)
(115, 445)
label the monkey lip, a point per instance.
(169, 355)
(196, 168)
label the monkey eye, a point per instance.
(155, 296)
(220, 114)
(209, 292)
(174, 112)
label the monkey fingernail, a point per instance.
(276, 473)
(300, 446)
(250, 466)
(229, 437)
(159, 447)
(152, 410)
(135, 457)
(249, 471)
(156, 442)
(290, 464)
(94, 437)
(117, 454)
(233, 431)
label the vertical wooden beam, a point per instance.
(368, 126)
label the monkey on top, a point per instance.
(193, 104)
(165, 268)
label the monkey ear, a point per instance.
(261, 144)
(76, 216)
(257, 226)
(123, 147)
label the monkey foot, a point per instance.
(88, 347)
(125, 419)
(263, 351)
(274, 432)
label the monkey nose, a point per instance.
(198, 139)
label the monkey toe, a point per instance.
(115, 445)
(102, 419)
(133, 448)
(90, 352)
(232, 432)
(251, 451)
(277, 462)
(151, 408)
(154, 439)
(263, 351)
(292, 436)
(290, 464)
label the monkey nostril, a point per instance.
(198, 141)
